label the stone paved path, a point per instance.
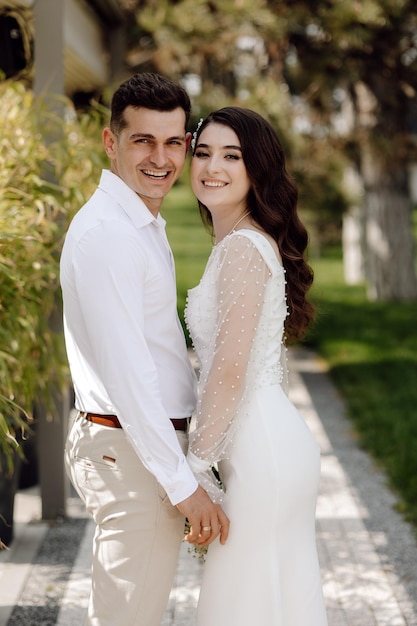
(368, 554)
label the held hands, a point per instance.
(207, 520)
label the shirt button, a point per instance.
(149, 458)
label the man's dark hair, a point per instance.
(151, 91)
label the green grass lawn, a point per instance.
(372, 352)
(371, 348)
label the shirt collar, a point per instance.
(130, 202)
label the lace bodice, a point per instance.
(236, 320)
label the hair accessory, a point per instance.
(195, 133)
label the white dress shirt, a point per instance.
(125, 344)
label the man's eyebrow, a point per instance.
(150, 136)
(143, 135)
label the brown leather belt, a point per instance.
(113, 422)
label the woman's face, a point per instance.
(218, 174)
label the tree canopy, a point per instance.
(337, 80)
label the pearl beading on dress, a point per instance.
(243, 285)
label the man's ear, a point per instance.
(109, 140)
(188, 140)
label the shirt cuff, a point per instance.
(182, 486)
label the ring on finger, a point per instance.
(206, 528)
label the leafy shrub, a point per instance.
(49, 164)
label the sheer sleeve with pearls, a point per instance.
(242, 277)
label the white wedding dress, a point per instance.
(267, 574)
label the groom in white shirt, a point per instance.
(134, 385)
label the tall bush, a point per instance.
(48, 167)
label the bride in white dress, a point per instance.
(267, 573)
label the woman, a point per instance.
(252, 296)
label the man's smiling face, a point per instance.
(149, 153)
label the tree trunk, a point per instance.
(390, 269)
(389, 243)
(352, 240)
(353, 229)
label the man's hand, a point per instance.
(207, 520)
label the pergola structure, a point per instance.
(76, 46)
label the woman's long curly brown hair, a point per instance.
(272, 202)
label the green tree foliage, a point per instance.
(238, 51)
(365, 53)
(33, 218)
(309, 67)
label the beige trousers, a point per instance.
(138, 533)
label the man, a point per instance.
(133, 382)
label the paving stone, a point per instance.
(367, 552)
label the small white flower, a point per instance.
(194, 139)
